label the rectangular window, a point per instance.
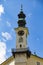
(38, 63)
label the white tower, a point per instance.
(21, 53)
(21, 37)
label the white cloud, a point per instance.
(1, 9)
(30, 14)
(2, 52)
(4, 39)
(8, 24)
(6, 35)
(9, 50)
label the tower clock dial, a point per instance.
(21, 33)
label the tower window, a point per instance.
(38, 63)
(20, 45)
(20, 39)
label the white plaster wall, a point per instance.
(24, 43)
(21, 58)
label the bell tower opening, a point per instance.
(20, 46)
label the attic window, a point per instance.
(38, 63)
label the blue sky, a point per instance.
(9, 10)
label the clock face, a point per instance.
(21, 33)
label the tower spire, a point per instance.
(21, 18)
(21, 7)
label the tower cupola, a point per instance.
(21, 20)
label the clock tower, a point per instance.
(22, 52)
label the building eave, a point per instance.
(10, 59)
(37, 56)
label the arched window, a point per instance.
(20, 45)
(20, 39)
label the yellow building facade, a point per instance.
(33, 60)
